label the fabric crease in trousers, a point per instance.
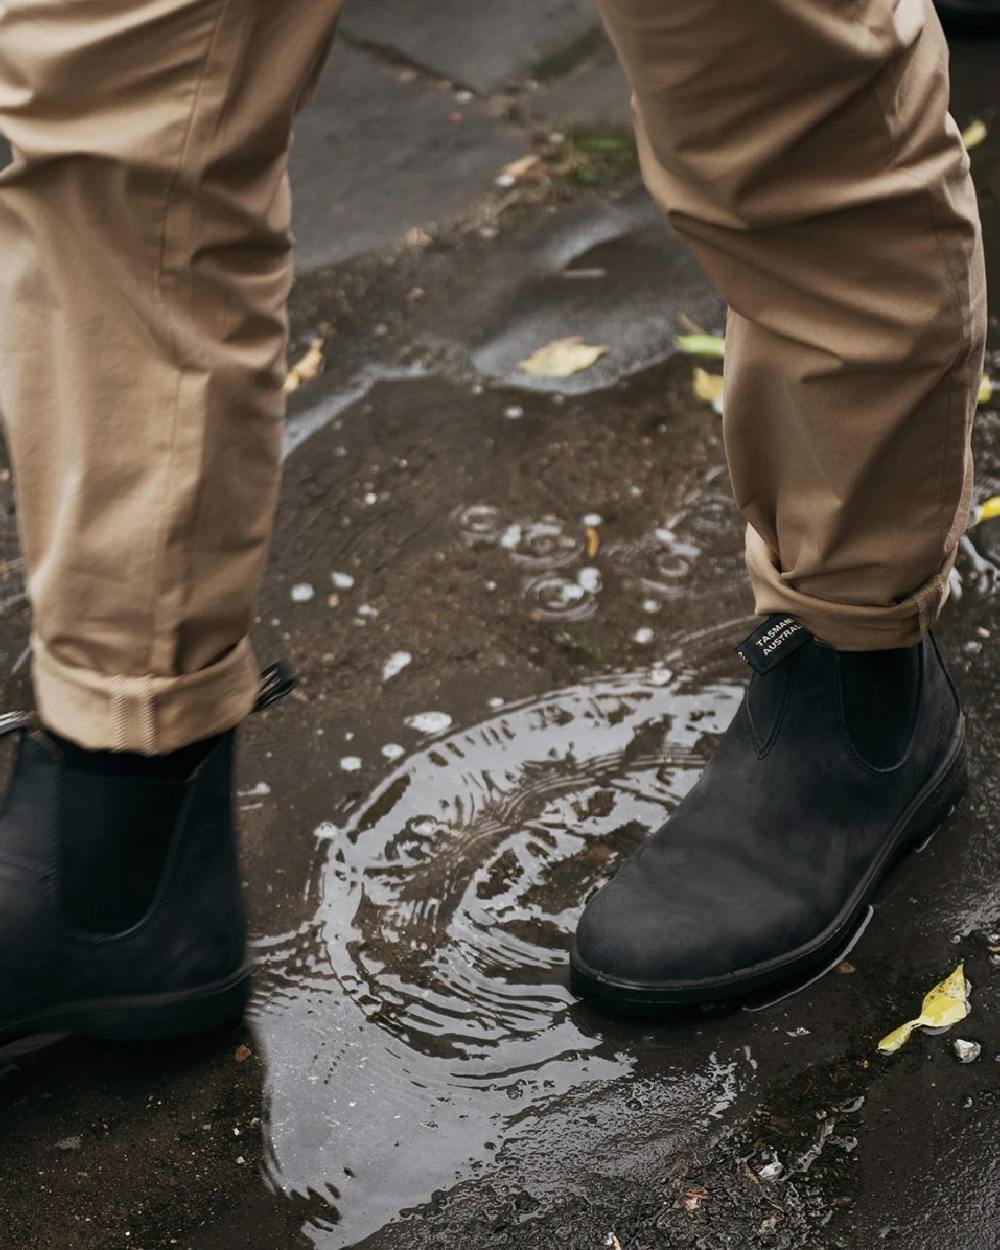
(802, 148)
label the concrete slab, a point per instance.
(593, 96)
(374, 156)
(481, 46)
(612, 272)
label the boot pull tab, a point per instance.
(275, 682)
(11, 722)
(771, 642)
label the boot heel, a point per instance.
(168, 1015)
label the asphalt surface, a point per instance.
(513, 612)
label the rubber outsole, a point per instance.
(928, 812)
(149, 1017)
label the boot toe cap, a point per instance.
(633, 931)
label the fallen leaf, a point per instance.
(701, 344)
(593, 542)
(692, 327)
(974, 133)
(944, 1005)
(985, 390)
(987, 510)
(518, 168)
(306, 369)
(243, 1053)
(561, 358)
(708, 386)
(693, 1199)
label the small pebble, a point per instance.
(395, 664)
(429, 722)
(302, 592)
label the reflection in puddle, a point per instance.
(422, 1020)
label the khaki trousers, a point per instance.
(801, 147)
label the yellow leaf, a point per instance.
(561, 358)
(701, 344)
(708, 386)
(987, 510)
(307, 368)
(593, 542)
(985, 390)
(974, 133)
(943, 1006)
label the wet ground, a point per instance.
(513, 614)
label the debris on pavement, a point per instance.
(517, 169)
(771, 1171)
(395, 664)
(243, 1053)
(985, 393)
(562, 357)
(967, 1052)
(429, 722)
(943, 1006)
(593, 541)
(305, 369)
(701, 344)
(693, 1199)
(708, 386)
(987, 510)
(974, 133)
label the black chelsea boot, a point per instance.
(121, 907)
(835, 763)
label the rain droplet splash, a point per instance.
(432, 981)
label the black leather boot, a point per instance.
(835, 764)
(121, 909)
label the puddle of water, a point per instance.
(661, 563)
(421, 1021)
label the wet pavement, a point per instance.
(513, 612)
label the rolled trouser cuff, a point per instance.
(150, 715)
(847, 626)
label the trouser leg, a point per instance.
(804, 150)
(144, 236)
